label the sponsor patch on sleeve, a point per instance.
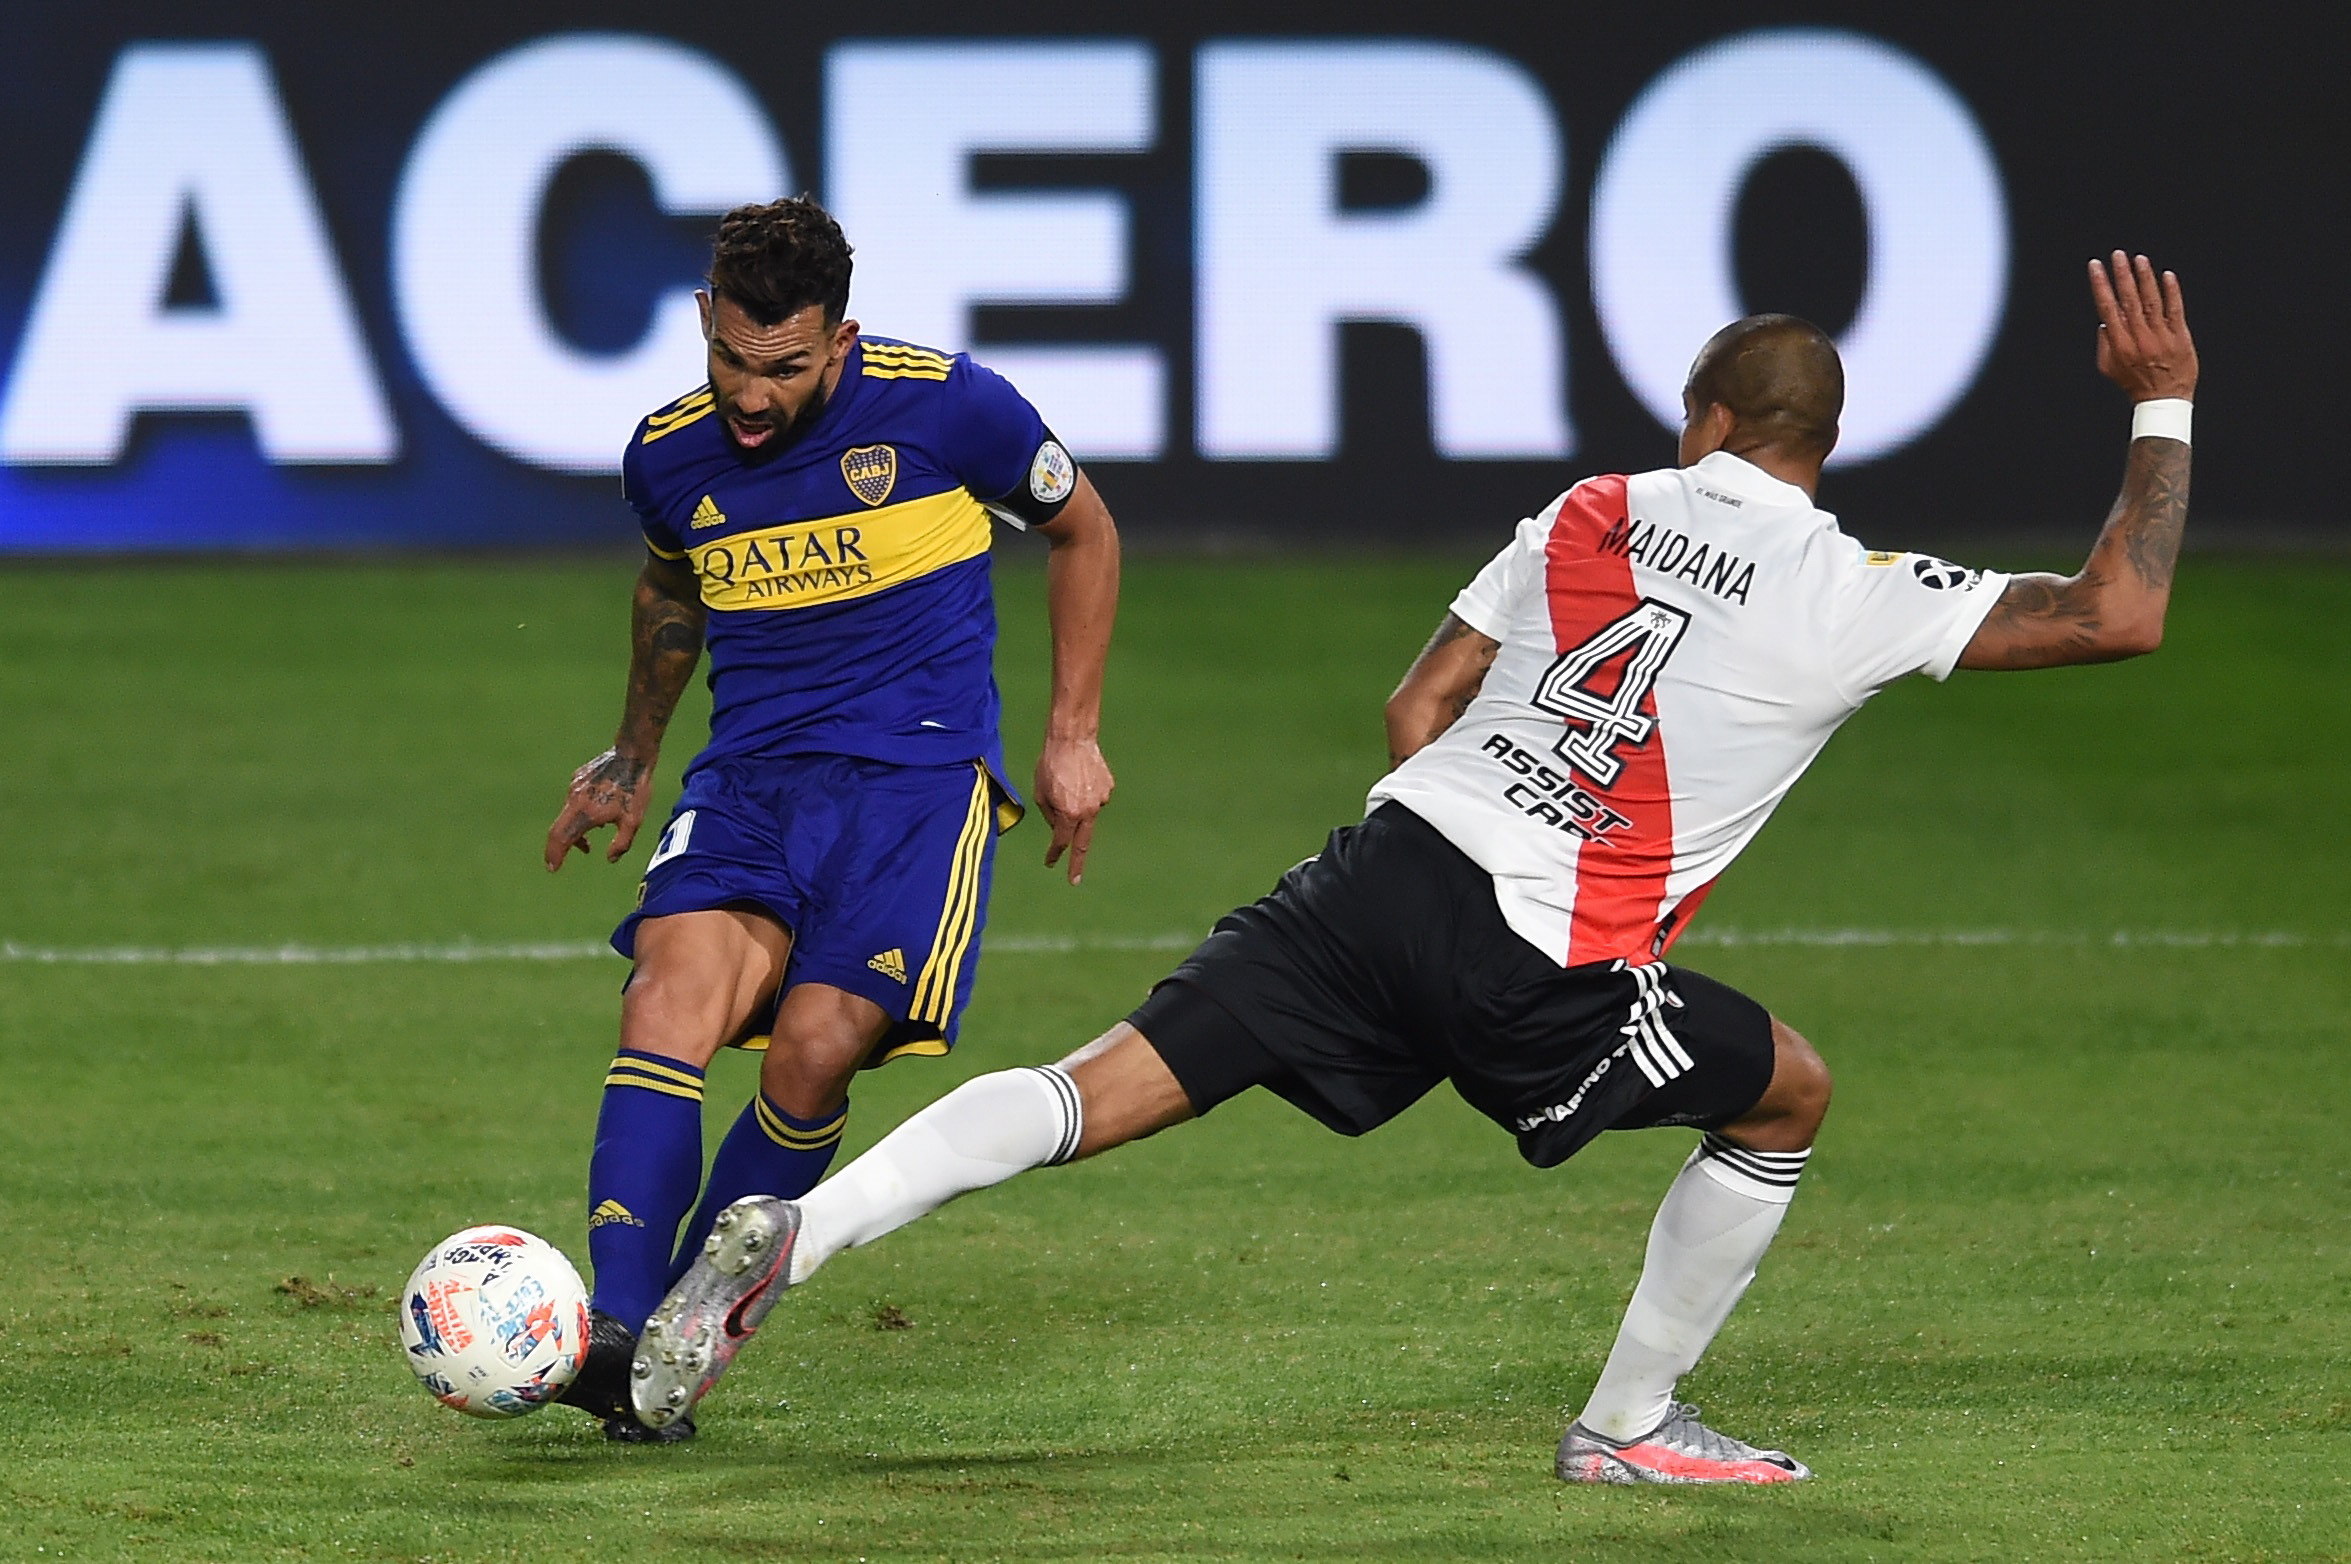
(1940, 575)
(1052, 475)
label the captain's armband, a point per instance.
(1039, 497)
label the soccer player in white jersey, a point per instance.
(1610, 712)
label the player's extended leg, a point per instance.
(698, 978)
(1710, 1234)
(1114, 1090)
(786, 1135)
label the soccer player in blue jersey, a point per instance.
(818, 516)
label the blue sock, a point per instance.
(641, 1180)
(768, 1152)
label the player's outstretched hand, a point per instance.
(1073, 783)
(2143, 341)
(606, 791)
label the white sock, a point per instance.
(1710, 1234)
(979, 1134)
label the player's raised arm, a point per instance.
(2113, 608)
(666, 622)
(1438, 687)
(1081, 595)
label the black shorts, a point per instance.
(1384, 966)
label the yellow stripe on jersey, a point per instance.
(664, 553)
(934, 990)
(835, 558)
(902, 351)
(904, 363)
(654, 432)
(687, 409)
(684, 407)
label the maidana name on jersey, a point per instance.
(1676, 647)
(847, 575)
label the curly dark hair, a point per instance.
(777, 259)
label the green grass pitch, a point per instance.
(2069, 1278)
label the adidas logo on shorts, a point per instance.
(891, 964)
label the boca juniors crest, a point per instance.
(871, 471)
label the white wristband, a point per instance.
(2165, 418)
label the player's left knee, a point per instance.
(1789, 1114)
(1800, 1081)
(808, 1077)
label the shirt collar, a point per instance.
(1742, 476)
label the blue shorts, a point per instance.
(879, 871)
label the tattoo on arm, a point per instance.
(665, 642)
(2152, 512)
(1449, 704)
(1450, 631)
(2043, 621)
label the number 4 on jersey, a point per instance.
(1642, 640)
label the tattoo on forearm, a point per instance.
(2045, 619)
(2153, 510)
(665, 642)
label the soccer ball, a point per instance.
(495, 1322)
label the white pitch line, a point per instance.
(1070, 944)
(294, 955)
(1074, 944)
(468, 951)
(2119, 939)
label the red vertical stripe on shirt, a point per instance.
(1684, 910)
(1620, 878)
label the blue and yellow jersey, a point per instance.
(847, 576)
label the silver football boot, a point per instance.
(1679, 1450)
(743, 1268)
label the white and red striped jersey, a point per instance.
(1676, 647)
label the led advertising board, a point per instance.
(271, 279)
